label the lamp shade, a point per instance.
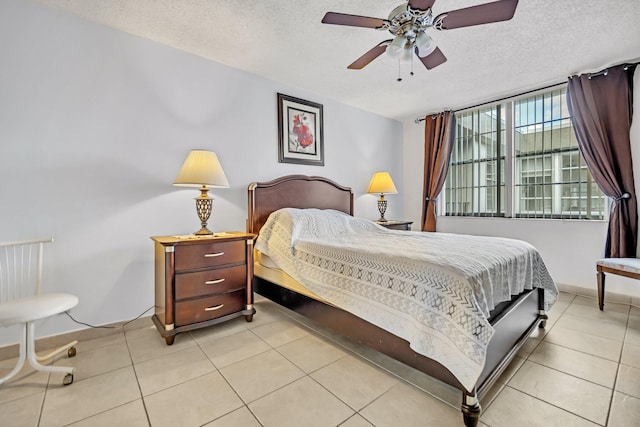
(382, 183)
(201, 168)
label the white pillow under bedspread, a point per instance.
(433, 289)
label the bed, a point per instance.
(511, 321)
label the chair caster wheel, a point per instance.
(68, 379)
(71, 352)
(542, 324)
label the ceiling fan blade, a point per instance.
(352, 20)
(501, 10)
(434, 59)
(421, 4)
(372, 54)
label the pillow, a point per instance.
(286, 226)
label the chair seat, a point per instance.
(631, 265)
(36, 307)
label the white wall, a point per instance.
(94, 125)
(570, 248)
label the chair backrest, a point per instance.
(21, 268)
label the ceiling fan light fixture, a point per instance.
(396, 46)
(409, 22)
(423, 40)
(407, 54)
(424, 44)
(428, 51)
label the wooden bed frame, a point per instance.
(513, 320)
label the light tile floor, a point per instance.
(281, 370)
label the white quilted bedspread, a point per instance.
(434, 290)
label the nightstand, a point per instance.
(395, 224)
(201, 281)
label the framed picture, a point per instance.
(300, 131)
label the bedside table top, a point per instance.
(192, 238)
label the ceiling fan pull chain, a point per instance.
(411, 65)
(399, 78)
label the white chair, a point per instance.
(22, 303)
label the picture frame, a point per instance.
(300, 131)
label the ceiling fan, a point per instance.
(409, 22)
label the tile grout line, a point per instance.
(306, 374)
(566, 373)
(97, 375)
(348, 352)
(572, 375)
(354, 353)
(246, 405)
(617, 362)
(44, 397)
(327, 335)
(585, 352)
(556, 406)
(135, 373)
(615, 382)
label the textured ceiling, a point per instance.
(283, 40)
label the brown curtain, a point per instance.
(439, 132)
(601, 106)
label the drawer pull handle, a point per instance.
(213, 282)
(213, 255)
(215, 307)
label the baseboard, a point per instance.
(593, 293)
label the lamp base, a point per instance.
(204, 205)
(204, 231)
(382, 207)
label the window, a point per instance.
(520, 159)
(475, 182)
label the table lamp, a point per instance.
(382, 183)
(202, 170)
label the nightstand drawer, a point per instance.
(189, 257)
(214, 281)
(201, 309)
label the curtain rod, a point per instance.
(598, 73)
(606, 70)
(421, 118)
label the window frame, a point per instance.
(510, 170)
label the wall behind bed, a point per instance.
(570, 248)
(94, 126)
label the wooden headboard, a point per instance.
(295, 191)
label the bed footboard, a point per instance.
(512, 328)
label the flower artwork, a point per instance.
(300, 131)
(301, 138)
